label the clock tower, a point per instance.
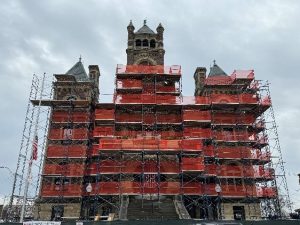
(144, 46)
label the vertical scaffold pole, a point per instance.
(31, 154)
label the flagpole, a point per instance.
(31, 155)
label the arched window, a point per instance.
(138, 43)
(145, 43)
(152, 43)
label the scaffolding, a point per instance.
(203, 151)
(28, 170)
(153, 141)
(70, 141)
(281, 206)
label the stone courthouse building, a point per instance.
(153, 153)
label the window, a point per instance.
(138, 43)
(238, 212)
(145, 43)
(57, 212)
(152, 44)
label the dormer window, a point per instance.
(145, 43)
(152, 43)
(138, 43)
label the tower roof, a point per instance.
(78, 71)
(215, 70)
(145, 29)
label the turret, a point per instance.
(94, 74)
(160, 35)
(199, 77)
(130, 29)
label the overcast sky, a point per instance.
(49, 36)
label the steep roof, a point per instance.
(215, 70)
(78, 72)
(145, 29)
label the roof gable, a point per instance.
(78, 72)
(215, 70)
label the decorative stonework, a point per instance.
(145, 46)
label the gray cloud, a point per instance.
(48, 36)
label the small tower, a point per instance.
(76, 84)
(145, 46)
(199, 77)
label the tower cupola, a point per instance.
(145, 46)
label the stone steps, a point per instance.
(151, 209)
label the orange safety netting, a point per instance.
(266, 192)
(171, 89)
(237, 136)
(104, 114)
(130, 117)
(192, 164)
(139, 134)
(128, 133)
(230, 118)
(72, 169)
(67, 190)
(239, 171)
(261, 172)
(196, 132)
(151, 187)
(66, 151)
(192, 115)
(240, 152)
(170, 133)
(129, 84)
(148, 118)
(65, 133)
(171, 187)
(238, 190)
(133, 167)
(189, 100)
(103, 131)
(234, 136)
(145, 69)
(94, 151)
(234, 99)
(209, 151)
(150, 144)
(147, 99)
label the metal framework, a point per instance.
(69, 144)
(151, 142)
(280, 206)
(36, 121)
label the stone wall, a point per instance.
(43, 211)
(252, 210)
